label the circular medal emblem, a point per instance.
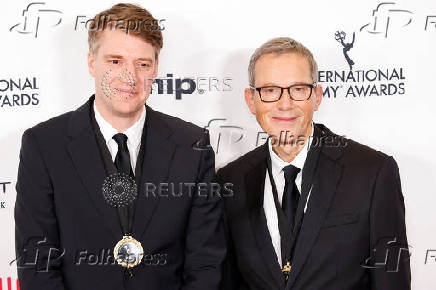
(119, 189)
(128, 252)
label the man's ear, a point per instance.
(318, 97)
(91, 61)
(249, 99)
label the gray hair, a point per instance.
(281, 45)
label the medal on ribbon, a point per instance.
(120, 190)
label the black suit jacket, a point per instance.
(63, 220)
(354, 214)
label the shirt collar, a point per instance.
(278, 164)
(133, 133)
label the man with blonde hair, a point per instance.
(311, 209)
(114, 195)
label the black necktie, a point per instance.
(122, 159)
(291, 194)
(122, 162)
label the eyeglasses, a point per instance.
(297, 92)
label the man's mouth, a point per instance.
(285, 119)
(126, 91)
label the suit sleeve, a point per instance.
(205, 243)
(391, 269)
(231, 278)
(36, 230)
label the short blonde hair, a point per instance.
(281, 45)
(123, 16)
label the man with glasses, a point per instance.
(311, 209)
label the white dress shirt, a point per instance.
(269, 207)
(133, 133)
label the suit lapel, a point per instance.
(159, 152)
(254, 182)
(326, 178)
(86, 157)
(311, 161)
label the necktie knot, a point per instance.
(290, 172)
(121, 140)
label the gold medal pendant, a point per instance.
(286, 270)
(128, 252)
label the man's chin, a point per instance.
(121, 97)
(286, 136)
(127, 108)
(285, 132)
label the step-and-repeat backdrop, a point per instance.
(376, 60)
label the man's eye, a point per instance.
(146, 64)
(115, 61)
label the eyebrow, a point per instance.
(276, 85)
(116, 56)
(113, 56)
(145, 59)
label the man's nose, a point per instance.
(285, 101)
(131, 73)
